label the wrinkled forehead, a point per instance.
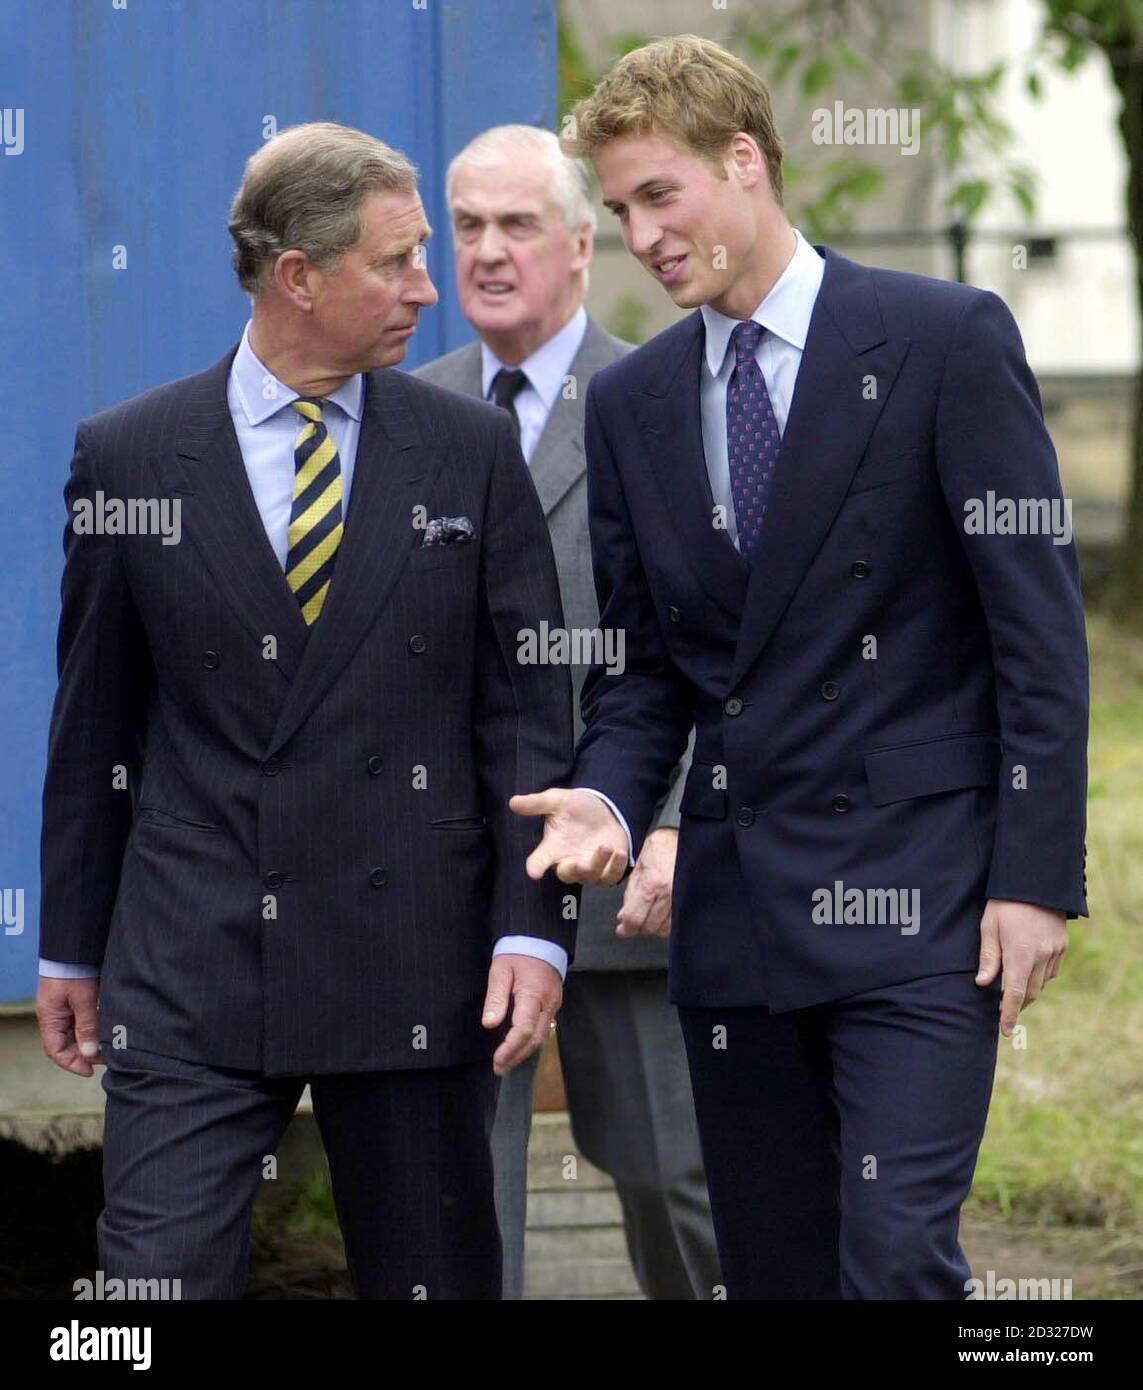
(503, 189)
(391, 223)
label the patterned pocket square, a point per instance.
(448, 530)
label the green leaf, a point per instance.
(969, 196)
(817, 76)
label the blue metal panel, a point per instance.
(138, 116)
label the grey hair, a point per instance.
(569, 185)
(302, 191)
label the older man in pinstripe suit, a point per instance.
(522, 226)
(276, 829)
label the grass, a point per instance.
(1064, 1145)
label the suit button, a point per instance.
(859, 569)
(378, 878)
(745, 816)
(417, 643)
(274, 879)
(733, 706)
(841, 803)
(271, 769)
(210, 660)
(674, 615)
(830, 690)
(375, 764)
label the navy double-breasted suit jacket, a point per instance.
(884, 699)
(307, 854)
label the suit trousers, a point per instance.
(185, 1147)
(840, 1140)
(632, 1115)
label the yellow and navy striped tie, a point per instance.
(315, 516)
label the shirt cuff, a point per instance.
(536, 946)
(618, 814)
(64, 970)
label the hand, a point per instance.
(1029, 942)
(581, 837)
(536, 991)
(646, 909)
(69, 1023)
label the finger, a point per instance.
(517, 1047)
(548, 852)
(615, 865)
(658, 921)
(1011, 1003)
(576, 869)
(57, 1036)
(499, 991)
(1055, 963)
(990, 954)
(87, 1029)
(1035, 985)
(636, 905)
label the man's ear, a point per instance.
(744, 160)
(293, 273)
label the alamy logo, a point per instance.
(12, 129)
(991, 1287)
(867, 907)
(132, 516)
(1019, 516)
(577, 646)
(842, 125)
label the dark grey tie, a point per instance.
(506, 386)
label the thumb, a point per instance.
(87, 1028)
(499, 992)
(990, 960)
(535, 803)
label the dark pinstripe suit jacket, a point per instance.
(314, 854)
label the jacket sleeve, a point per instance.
(522, 709)
(95, 735)
(636, 722)
(991, 437)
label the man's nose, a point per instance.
(489, 249)
(643, 234)
(422, 291)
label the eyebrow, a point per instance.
(459, 210)
(398, 251)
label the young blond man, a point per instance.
(886, 803)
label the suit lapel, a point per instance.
(222, 520)
(392, 473)
(558, 459)
(670, 421)
(828, 428)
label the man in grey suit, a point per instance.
(522, 227)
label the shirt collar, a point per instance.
(261, 394)
(785, 311)
(548, 365)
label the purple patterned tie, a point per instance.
(752, 438)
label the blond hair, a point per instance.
(685, 88)
(302, 191)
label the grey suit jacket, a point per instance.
(558, 469)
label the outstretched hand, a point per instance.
(582, 840)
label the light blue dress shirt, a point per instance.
(266, 430)
(786, 313)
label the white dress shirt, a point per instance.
(266, 430)
(546, 370)
(785, 312)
